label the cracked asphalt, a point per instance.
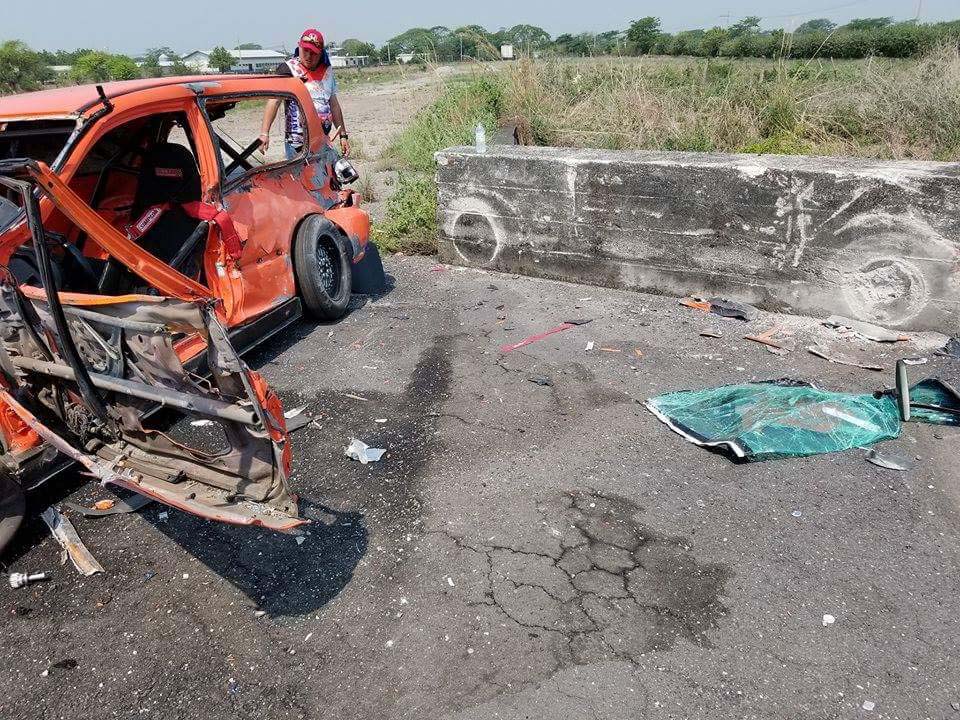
(535, 544)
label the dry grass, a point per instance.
(875, 108)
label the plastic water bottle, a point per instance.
(481, 138)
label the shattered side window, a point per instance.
(40, 140)
(236, 125)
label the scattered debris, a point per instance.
(355, 397)
(163, 516)
(117, 507)
(536, 338)
(439, 268)
(828, 620)
(300, 539)
(770, 420)
(891, 460)
(298, 422)
(293, 413)
(381, 421)
(19, 580)
(579, 321)
(865, 330)
(65, 533)
(201, 423)
(951, 349)
(776, 345)
(723, 308)
(103, 504)
(868, 706)
(638, 352)
(711, 334)
(610, 350)
(259, 613)
(797, 513)
(541, 381)
(839, 358)
(589, 347)
(358, 450)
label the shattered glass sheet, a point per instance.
(938, 394)
(785, 418)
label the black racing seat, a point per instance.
(169, 179)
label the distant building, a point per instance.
(60, 69)
(506, 52)
(406, 58)
(247, 61)
(349, 61)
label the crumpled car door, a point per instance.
(88, 373)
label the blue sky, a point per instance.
(133, 25)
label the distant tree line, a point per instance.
(24, 69)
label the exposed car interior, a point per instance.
(137, 179)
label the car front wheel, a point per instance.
(322, 257)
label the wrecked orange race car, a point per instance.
(142, 249)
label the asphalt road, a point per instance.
(523, 550)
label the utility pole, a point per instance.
(461, 48)
(919, 9)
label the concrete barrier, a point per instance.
(876, 241)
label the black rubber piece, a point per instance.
(322, 260)
(13, 505)
(368, 275)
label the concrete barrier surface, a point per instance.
(876, 241)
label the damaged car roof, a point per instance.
(71, 101)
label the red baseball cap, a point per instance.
(312, 39)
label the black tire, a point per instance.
(322, 259)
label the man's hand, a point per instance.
(345, 147)
(264, 143)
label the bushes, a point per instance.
(21, 68)
(411, 214)
(878, 108)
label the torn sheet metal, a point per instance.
(891, 460)
(65, 533)
(839, 358)
(865, 330)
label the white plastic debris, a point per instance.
(797, 513)
(358, 450)
(828, 620)
(589, 347)
(450, 581)
(381, 421)
(201, 423)
(868, 705)
(293, 413)
(300, 539)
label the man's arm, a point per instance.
(269, 115)
(336, 113)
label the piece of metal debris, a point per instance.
(355, 397)
(536, 338)
(65, 533)
(579, 321)
(839, 358)
(358, 450)
(891, 460)
(589, 347)
(951, 349)
(723, 308)
(711, 334)
(293, 413)
(867, 331)
(19, 580)
(298, 422)
(118, 507)
(201, 423)
(541, 381)
(776, 345)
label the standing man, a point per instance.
(312, 65)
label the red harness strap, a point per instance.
(220, 218)
(198, 211)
